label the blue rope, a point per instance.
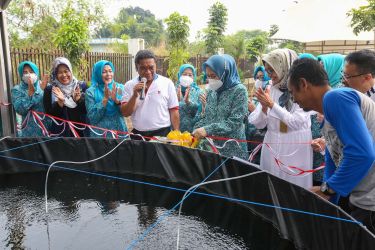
(27, 145)
(184, 190)
(164, 215)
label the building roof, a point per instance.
(106, 41)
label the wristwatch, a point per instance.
(325, 189)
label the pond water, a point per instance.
(89, 212)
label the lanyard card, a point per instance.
(283, 127)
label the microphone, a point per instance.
(144, 80)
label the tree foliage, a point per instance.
(177, 41)
(134, 22)
(214, 33)
(273, 30)
(73, 34)
(293, 45)
(118, 47)
(256, 46)
(363, 18)
(34, 23)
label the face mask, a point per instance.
(260, 84)
(25, 78)
(186, 81)
(214, 84)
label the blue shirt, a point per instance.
(350, 151)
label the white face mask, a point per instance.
(214, 84)
(260, 84)
(186, 81)
(33, 76)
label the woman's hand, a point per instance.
(186, 97)
(179, 93)
(203, 100)
(106, 95)
(31, 88)
(200, 133)
(250, 105)
(59, 95)
(44, 82)
(77, 94)
(264, 98)
(114, 94)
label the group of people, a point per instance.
(312, 111)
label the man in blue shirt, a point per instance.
(349, 131)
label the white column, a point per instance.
(7, 113)
(135, 45)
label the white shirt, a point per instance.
(371, 93)
(152, 113)
(291, 148)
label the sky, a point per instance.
(294, 17)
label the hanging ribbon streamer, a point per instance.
(293, 170)
(290, 170)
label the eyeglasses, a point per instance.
(346, 77)
(270, 71)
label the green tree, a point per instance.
(235, 46)
(273, 30)
(363, 18)
(293, 45)
(30, 21)
(73, 34)
(177, 41)
(42, 33)
(256, 46)
(23, 15)
(118, 47)
(214, 33)
(34, 23)
(198, 46)
(136, 23)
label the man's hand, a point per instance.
(137, 89)
(318, 144)
(316, 190)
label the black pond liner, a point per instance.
(255, 221)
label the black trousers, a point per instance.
(367, 217)
(148, 134)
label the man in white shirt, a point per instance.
(359, 72)
(157, 111)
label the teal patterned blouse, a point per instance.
(97, 115)
(318, 158)
(224, 117)
(189, 113)
(23, 103)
